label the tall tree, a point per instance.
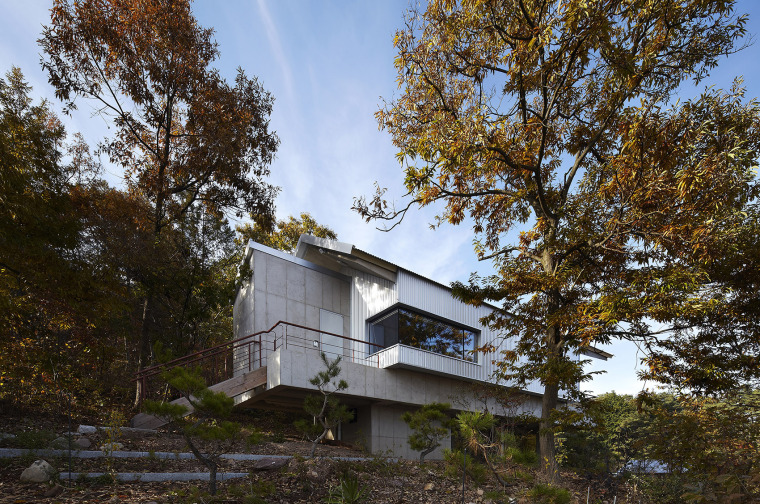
(605, 207)
(56, 291)
(183, 134)
(286, 233)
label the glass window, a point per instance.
(421, 331)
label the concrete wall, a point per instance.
(390, 434)
(285, 288)
(390, 392)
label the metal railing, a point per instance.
(242, 355)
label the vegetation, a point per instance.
(549, 494)
(349, 491)
(456, 461)
(205, 422)
(286, 233)
(180, 154)
(430, 424)
(609, 209)
(326, 409)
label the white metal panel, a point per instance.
(331, 322)
(433, 298)
(406, 356)
(369, 296)
(436, 299)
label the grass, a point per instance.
(32, 440)
(548, 494)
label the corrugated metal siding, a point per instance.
(406, 356)
(369, 296)
(431, 297)
(428, 296)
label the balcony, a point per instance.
(406, 357)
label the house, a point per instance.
(403, 339)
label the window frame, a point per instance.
(434, 318)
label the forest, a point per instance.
(610, 209)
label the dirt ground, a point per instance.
(301, 480)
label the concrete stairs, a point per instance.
(243, 384)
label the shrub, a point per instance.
(476, 471)
(349, 491)
(429, 425)
(548, 494)
(327, 411)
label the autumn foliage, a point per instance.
(610, 209)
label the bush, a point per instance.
(476, 471)
(32, 440)
(548, 494)
(349, 491)
(429, 425)
(527, 457)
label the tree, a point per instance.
(285, 236)
(713, 441)
(609, 211)
(183, 134)
(326, 409)
(429, 424)
(53, 294)
(476, 428)
(208, 424)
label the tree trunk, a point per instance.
(143, 357)
(212, 479)
(425, 453)
(206, 460)
(549, 469)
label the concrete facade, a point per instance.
(326, 280)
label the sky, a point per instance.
(329, 65)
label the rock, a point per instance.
(111, 447)
(39, 472)
(54, 491)
(268, 464)
(6, 435)
(480, 491)
(396, 483)
(428, 486)
(87, 429)
(61, 443)
(82, 443)
(114, 500)
(314, 474)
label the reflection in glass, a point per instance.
(420, 331)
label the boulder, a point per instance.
(61, 443)
(111, 447)
(87, 429)
(39, 472)
(268, 464)
(54, 491)
(82, 443)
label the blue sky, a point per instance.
(329, 65)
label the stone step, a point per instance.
(234, 387)
(150, 477)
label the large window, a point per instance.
(402, 325)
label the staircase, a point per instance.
(232, 387)
(236, 368)
(239, 367)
